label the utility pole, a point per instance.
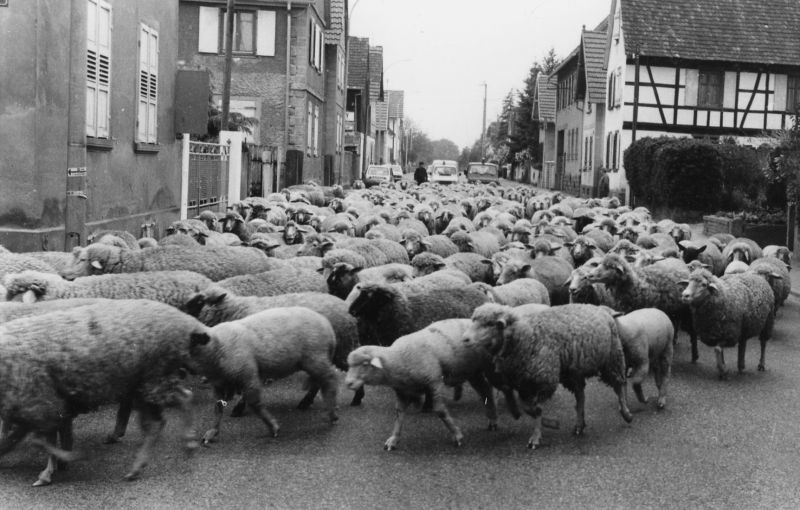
(226, 87)
(483, 129)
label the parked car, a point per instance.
(397, 172)
(482, 172)
(377, 174)
(443, 174)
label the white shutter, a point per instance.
(779, 104)
(619, 86)
(265, 31)
(316, 130)
(310, 128)
(98, 68)
(208, 38)
(321, 49)
(692, 82)
(147, 115)
(729, 90)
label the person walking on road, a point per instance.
(421, 174)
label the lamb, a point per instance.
(707, 254)
(215, 305)
(385, 312)
(273, 344)
(276, 282)
(647, 287)
(729, 310)
(216, 263)
(58, 365)
(551, 271)
(422, 363)
(519, 292)
(476, 267)
(344, 277)
(646, 336)
(535, 351)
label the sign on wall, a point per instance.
(3, 3)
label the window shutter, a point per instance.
(265, 32)
(147, 115)
(316, 129)
(692, 82)
(780, 93)
(619, 85)
(98, 69)
(729, 90)
(309, 128)
(208, 38)
(321, 48)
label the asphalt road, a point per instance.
(731, 444)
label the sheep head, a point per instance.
(612, 269)
(513, 270)
(426, 263)
(366, 299)
(29, 286)
(700, 286)
(342, 278)
(489, 322)
(365, 366)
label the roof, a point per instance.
(334, 34)
(545, 97)
(594, 47)
(381, 116)
(396, 99)
(567, 60)
(375, 71)
(754, 31)
(358, 62)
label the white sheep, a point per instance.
(271, 344)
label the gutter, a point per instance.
(286, 93)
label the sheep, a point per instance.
(18, 262)
(60, 364)
(582, 249)
(443, 279)
(458, 223)
(535, 351)
(344, 277)
(58, 260)
(743, 249)
(647, 287)
(516, 293)
(582, 290)
(481, 242)
(273, 343)
(170, 287)
(707, 254)
(646, 336)
(14, 310)
(216, 263)
(215, 305)
(178, 239)
(385, 312)
(276, 282)
(777, 275)
(422, 363)
(476, 267)
(729, 310)
(779, 252)
(551, 271)
(126, 237)
(438, 244)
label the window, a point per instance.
(608, 150)
(316, 130)
(98, 69)
(565, 92)
(612, 79)
(315, 45)
(793, 94)
(339, 131)
(147, 105)
(615, 154)
(253, 31)
(711, 85)
(312, 124)
(340, 69)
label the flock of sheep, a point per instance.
(418, 288)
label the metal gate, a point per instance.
(261, 165)
(208, 176)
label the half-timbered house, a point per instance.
(727, 68)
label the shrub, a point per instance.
(742, 179)
(688, 174)
(639, 164)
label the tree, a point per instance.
(236, 122)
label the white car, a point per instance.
(443, 174)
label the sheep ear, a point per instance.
(525, 268)
(199, 339)
(97, 265)
(713, 287)
(376, 362)
(214, 298)
(568, 282)
(320, 270)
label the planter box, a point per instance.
(763, 234)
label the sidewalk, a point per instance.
(794, 273)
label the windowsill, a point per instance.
(99, 144)
(146, 148)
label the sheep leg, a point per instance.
(67, 440)
(742, 349)
(723, 374)
(45, 477)
(400, 406)
(4, 427)
(661, 372)
(621, 390)
(481, 385)
(311, 394)
(458, 392)
(219, 407)
(325, 377)
(357, 397)
(123, 416)
(187, 419)
(496, 380)
(238, 409)
(530, 404)
(637, 377)
(152, 423)
(761, 360)
(255, 398)
(580, 402)
(441, 411)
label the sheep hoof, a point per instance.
(210, 436)
(761, 367)
(661, 404)
(626, 415)
(391, 444)
(458, 442)
(578, 430)
(41, 482)
(723, 376)
(133, 475)
(492, 426)
(532, 445)
(111, 439)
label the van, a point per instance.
(482, 172)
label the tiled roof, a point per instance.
(358, 62)
(381, 115)
(546, 97)
(396, 98)
(334, 34)
(594, 47)
(755, 31)
(375, 71)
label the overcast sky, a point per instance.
(441, 51)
